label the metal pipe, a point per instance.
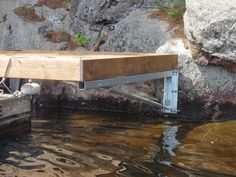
(136, 97)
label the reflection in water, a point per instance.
(107, 145)
(169, 139)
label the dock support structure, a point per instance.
(170, 95)
(170, 92)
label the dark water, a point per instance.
(108, 145)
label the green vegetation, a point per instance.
(175, 13)
(81, 40)
(174, 9)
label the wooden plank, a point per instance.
(48, 65)
(11, 106)
(95, 69)
(46, 68)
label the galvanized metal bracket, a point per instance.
(123, 80)
(170, 95)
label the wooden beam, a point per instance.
(45, 68)
(95, 69)
(82, 66)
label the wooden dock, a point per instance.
(15, 114)
(95, 69)
(82, 66)
(89, 69)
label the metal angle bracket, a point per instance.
(170, 95)
(123, 80)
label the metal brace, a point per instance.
(170, 95)
(2, 82)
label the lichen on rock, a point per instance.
(57, 36)
(211, 25)
(54, 4)
(28, 14)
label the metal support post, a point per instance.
(14, 84)
(170, 96)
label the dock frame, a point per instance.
(96, 70)
(170, 92)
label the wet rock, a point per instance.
(148, 34)
(211, 26)
(208, 148)
(94, 99)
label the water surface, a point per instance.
(105, 145)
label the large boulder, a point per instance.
(208, 86)
(110, 11)
(137, 33)
(211, 26)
